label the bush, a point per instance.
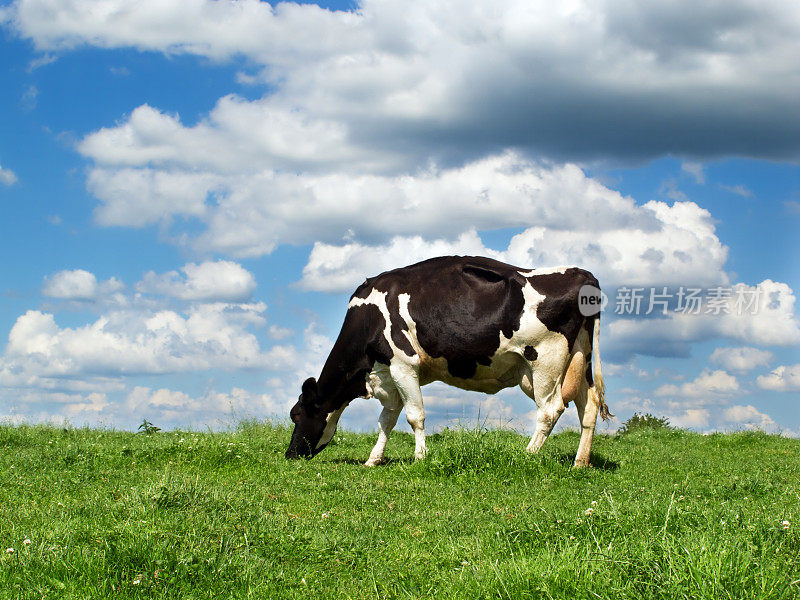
(639, 422)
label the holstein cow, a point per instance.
(472, 322)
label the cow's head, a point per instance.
(309, 422)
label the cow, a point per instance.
(472, 322)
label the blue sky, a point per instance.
(191, 190)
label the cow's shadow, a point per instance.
(596, 461)
(358, 461)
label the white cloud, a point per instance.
(79, 285)
(738, 189)
(276, 332)
(749, 417)
(696, 170)
(709, 384)
(174, 408)
(669, 188)
(121, 343)
(691, 417)
(139, 197)
(741, 359)
(7, 176)
(254, 211)
(73, 285)
(43, 406)
(220, 281)
(655, 244)
(454, 75)
(216, 30)
(126, 408)
(769, 321)
(782, 379)
(340, 268)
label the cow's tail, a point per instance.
(598, 386)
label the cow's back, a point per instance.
(452, 307)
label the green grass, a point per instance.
(224, 515)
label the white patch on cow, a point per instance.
(378, 299)
(381, 386)
(330, 427)
(531, 330)
(544, 271)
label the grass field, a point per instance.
(662, 514)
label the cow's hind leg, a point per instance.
(576, 389)
(588, 404)
(406, 378)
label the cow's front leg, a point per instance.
(416, 418)
(550, 406)
(406, 379)
(546, 418)
(386, 423)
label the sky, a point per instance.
(190, 190)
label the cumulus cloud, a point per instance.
(762, 314)
(121, 343)
(654, 244)
(60, 407)
(567, 80)
(78, 284)
(709, 384)
(220, 281)
(7, 176)
(176, 408)
(749, 417)
(253, 212)
(783, 379)
(165, 407)
(333, 268)
(276, 332)
(75, 285)
(741, 359)
(691, 417)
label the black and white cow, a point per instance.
(472, 322)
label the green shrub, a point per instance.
(639, 422)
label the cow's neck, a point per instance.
(337, 387)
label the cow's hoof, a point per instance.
(374, 462)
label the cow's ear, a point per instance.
(310, 394)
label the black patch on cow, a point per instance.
(460, 305)
(559, 310)
(363, 290)
(530, 353)
(589, 377)
(360, 345)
